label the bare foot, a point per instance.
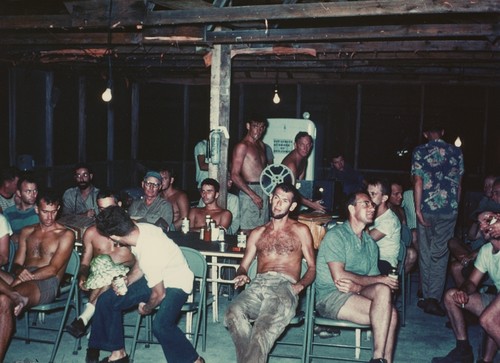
(20, 302)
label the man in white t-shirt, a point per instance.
(469, 298)
(160, 279)
(5, 233)
(200, 160)
(386, 229)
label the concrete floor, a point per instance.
(424, 337)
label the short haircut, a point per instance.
(260, 119)
(212, 182)
(107, 193)
(9, 173)
(83, 166)
(433, 127)
(114, 221)
(351, 200)
(26, 177)
(336, 154)
(169, 169)
(49, 196)
(385, 187)
(302, 134)
(288, 188)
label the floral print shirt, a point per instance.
(441, 166)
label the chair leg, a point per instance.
(357, 351)
(135, 337)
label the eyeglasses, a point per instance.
(83, 175)
(366, 203)
(151, 185)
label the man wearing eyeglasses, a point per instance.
(349, 285)
(81, 199)
(152, 208)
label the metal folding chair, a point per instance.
(196, 304)
(300, 318)
(65, 302)
(314, 318)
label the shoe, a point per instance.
(378, 360)
(432, 307)
(456, 356)
(92, 355)
(77, 328)
(121, 360)
(422, 303)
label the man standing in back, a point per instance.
(437, 168)
(249, 160)
(296, 161)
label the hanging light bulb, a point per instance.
(107, 95)
(276, 98)
(458, 142)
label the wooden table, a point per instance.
(212, 252)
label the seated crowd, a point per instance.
(351, 267)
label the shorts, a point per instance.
(250, 215)
(487, 299)
(48, 287)
(330, 306)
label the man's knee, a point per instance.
(448, 297)
(487, 321)
(231, 316)
(6, 304)
(383, 292)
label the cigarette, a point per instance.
(463, 306)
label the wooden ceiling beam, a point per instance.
(136, 14)
(414, 31)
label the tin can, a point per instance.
(242, 240)
(120, 285)
(202, 233)
(185, 225)
(393, 274)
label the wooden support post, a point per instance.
(49, 126)
(220, 92)
(82, 119)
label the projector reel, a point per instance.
(273, 175)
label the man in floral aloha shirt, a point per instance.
(437, 169)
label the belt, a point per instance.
(253, 183)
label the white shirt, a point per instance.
(388, 223)
(4, 226)
(161, 259)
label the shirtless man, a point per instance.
(271, 299)
(249, 159)
(39, 264)
(296, 161)
(94, 244)
(176, 197)
(209, 194)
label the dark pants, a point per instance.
(107, 323)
